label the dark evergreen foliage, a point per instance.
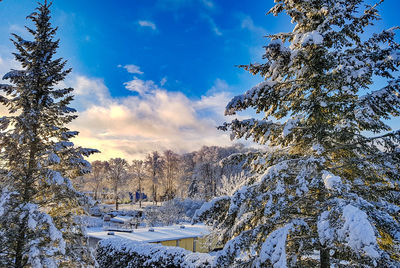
(329, 192)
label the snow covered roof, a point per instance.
(160, 233)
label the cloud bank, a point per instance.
(153, 119)
(156, 119)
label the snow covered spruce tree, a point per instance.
(329, 194)
(39, 226)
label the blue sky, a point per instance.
(190, 42)
(131, 58)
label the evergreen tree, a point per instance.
(329, 193)
(39, 208)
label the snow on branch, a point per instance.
(249, 98)
(331, 181)
(354, 229)
(273, 249)
(7, 88)
(358, 232)
(69, 134)
(13, 74)
(210, 207)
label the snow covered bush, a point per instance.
(167, 214)
(120, 253)
(189, 206)
(171, 212)
(329, 193)
(90, 221)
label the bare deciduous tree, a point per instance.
(171, 166)
(154, 166)
(117, 174)
(137, 170)
(97, 176)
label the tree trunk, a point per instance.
(20, 245)
(324, 257)
(140, 198)
(27, 196)
(116, 197)
(155, 194)
(140, 193)
(152, 189)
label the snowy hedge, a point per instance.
(119, 252)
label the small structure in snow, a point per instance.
(189, 237)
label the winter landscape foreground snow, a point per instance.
(323, 190)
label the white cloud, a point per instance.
(163, 81)
(147, 23)
(177, 4)
(219, 85)
(18, 29)
(6, 64)
(132, 126)
(256, 50)
(157, 120)
(141, 86)
(131, 68)
(248, 23)
(212, 24)
(208, 3)
(87, 91)
(214, 102)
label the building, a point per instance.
(190, 237)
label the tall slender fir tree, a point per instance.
(329, 194)
(39, 208)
